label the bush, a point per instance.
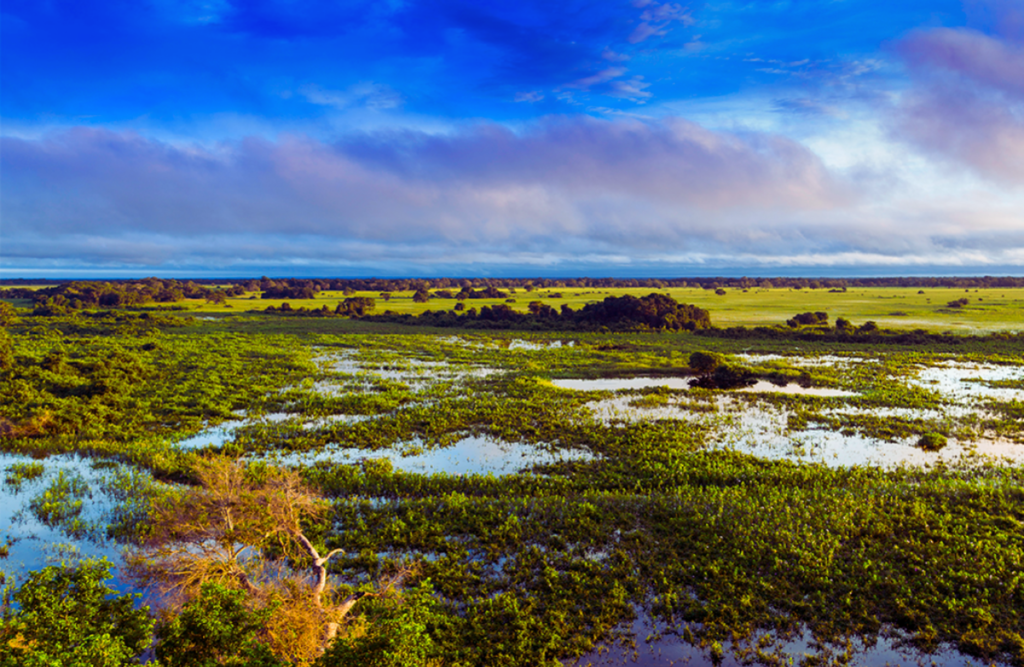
(705, 363)
(932, 442)
(67, 615)
(216, 628)
(398, 634)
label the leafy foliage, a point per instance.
(216, 628)
(67, 616)
(395, 632)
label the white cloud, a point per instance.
(531, 96)
(367, 94)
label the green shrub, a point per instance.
(932, 442)
(66, 615)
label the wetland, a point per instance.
(563, 497)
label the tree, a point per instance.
(216, 628)
(705, 363)
(397, 637)
(8, 314)
(216, 296)
(67, 615)
(244, 528)
(808, 319)
(421, 296)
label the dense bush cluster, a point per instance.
(654, 312)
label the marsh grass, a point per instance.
(546, 562)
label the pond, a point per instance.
(634, 383)
(469, 455)
(60, 511)
(666, 648)
(762, 429)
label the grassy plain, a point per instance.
(996, 309)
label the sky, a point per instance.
(521, 138)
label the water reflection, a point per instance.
(470, 455)
(33, 543)
(762, 429)
(665, 648)
(634, 383)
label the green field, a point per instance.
(989, 310)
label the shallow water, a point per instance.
(36, 545)
(470, 455)
(666, 648)
(761, 429)
(218, 436)
(620, 384)
(509, 343)
(960, 381)
(214, 436)
(765, 387)
(414, 373)
(824, 360)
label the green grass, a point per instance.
(995, 309)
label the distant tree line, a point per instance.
(868, 333)
(131, 293)
(76, 295)
(454, 286)
(352, 307)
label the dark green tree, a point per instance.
(398, 634)
(216, 628)
(705, 363)
(67, 615)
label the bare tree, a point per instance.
(242, 527)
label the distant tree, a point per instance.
(216, 297)
(8, 314)
(356, 305)
(808, 319)
(421, 296)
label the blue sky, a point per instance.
(517, 138)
